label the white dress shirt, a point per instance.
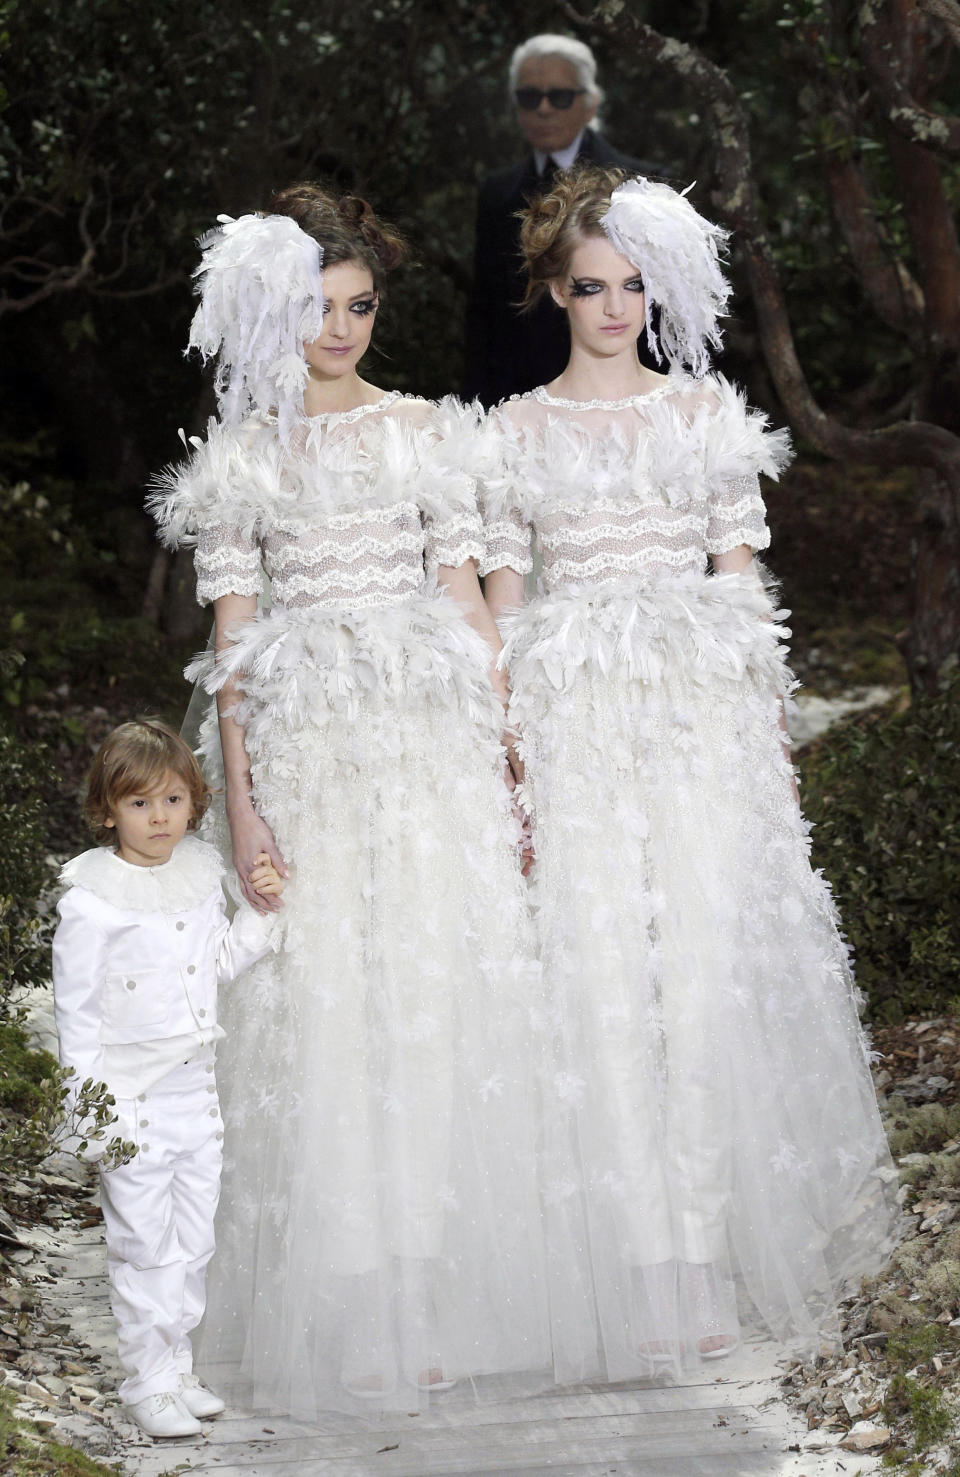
(562, 158)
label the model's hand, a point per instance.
(265, 879)
(524, 830)
(252, 839)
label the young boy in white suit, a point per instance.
(142, 942)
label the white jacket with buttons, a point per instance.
(137, 957)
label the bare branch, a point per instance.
(912, 443)
(881, 52)
(947, 11)
(892, 291)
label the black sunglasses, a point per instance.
(530, 98)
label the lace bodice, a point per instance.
(617, 488)
(360, 510)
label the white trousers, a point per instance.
(158, 1213)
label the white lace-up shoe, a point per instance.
(199, 1401)
(164, 1415)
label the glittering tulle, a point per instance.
(380, 1214)
(713, 1152)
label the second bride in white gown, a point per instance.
(379, 1234)
(712, 1147)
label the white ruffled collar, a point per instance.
(188, 878)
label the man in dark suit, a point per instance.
(553, 80)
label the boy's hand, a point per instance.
(264, 877)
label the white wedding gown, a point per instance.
(713, 1152)
(380, 1213)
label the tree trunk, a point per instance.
(933, 644)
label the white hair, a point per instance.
(577, 53)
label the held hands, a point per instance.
(524, 831)
(252, 840)
(265, 879)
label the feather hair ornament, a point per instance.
(677, 253)
(261, 300)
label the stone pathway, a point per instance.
(729, 1424)
(810, 715)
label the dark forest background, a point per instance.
(823, 133)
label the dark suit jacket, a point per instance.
(509, 352)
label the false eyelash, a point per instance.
(364, 309)
(584, 289)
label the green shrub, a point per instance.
(884, 794)
(26, 779)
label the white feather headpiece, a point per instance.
(261, 300)
(677, 253)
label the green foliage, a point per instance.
(914, 1346)
(40, 1111)
(884, 794)
(26, 1452)
(930, 1416)
(25, 1074)
(920, 1129)
(25, 775)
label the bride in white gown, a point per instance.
(379, 1231)
(713, 1150)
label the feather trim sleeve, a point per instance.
(447, 485)
(506, 529)
(214, 502)
(739, 447)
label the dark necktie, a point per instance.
(550, 170)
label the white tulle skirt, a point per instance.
(380, 1215)
(712, 1153)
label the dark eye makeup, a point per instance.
(586, 287)
(364, 308)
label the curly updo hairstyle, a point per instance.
(554, 225)
(346, 228)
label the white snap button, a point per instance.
(142, 1098)
(220, 1134)
(211, 1088)
(213, 1112)
(191, 969)
(144, 1148)
(181, 926)
(209, 1066)
(131, 984)
(144, 1122)
(201, 1012)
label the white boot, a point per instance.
(199, 1401)
(163, 1415)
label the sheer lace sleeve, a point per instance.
(447, 494)
(213, 503)
(507, 532)
(228, 562)
(736, 515)
(739, 447)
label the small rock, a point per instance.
(866, 1437)
(852, 1404)
(819, 1440)
(36, 1392)
(56, 1386)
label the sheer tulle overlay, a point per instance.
(713, 1150)
(379, 1225)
